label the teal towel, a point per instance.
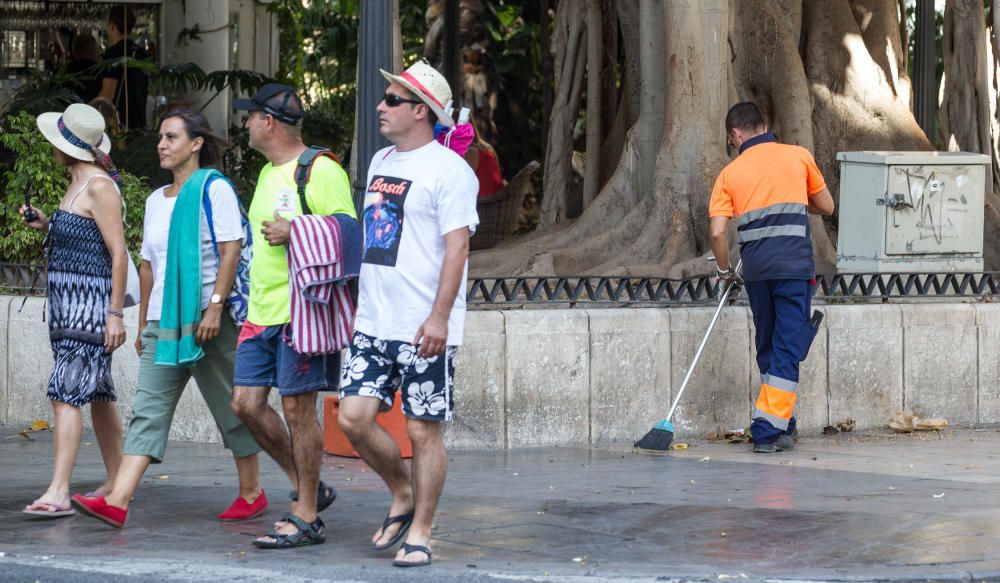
(181, 313)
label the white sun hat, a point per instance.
(428, 85)
(71, 130)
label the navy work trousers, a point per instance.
(781, 311)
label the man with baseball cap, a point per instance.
(420, 209)
(263, 358)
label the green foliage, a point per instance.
(36, 168)
(325, 125)
(516, 53)
(319, 53)
(134, 151)
(319, 48)
(44, 92)
(241, 164)
(412, 27)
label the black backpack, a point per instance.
(304, 169)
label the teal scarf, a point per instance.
(176, 345)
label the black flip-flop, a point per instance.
(408, 548)
(404, 520)
(325, 495)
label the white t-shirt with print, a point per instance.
(156, 232)
(413, 199)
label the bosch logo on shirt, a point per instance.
(384, 212)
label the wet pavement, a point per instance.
(846, 508)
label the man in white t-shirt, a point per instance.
(420, 210)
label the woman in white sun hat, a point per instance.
(87, 272)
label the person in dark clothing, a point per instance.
(126, 87)
(84, 52)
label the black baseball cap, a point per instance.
(278, 100)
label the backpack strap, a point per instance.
(207, 206)
(304, 169)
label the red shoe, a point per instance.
(240, 509)
(99, 508)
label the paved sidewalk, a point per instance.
(850, 507)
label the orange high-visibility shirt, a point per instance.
(767, 189)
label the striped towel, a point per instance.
(322, 310)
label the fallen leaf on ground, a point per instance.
(929, 424)
(907, 422)
(845, 425)
(40, 425)
(830, 430)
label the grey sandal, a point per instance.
(325, 495)
(308, 534)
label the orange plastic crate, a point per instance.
(336, 443)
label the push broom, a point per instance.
(662, 434)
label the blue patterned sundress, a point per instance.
(79, 289)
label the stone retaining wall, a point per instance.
(538, 377)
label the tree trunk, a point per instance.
(626, 103)
(544, 38)
(965, 104)
(854, 104)
(968, 112)
(595, 68)
(879, 24)
(568, 48)
(829, 74)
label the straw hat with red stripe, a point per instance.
(428, 86)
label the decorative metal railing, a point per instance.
(498, 292)
(703, 289)
(22, 278)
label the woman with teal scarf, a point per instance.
(187, 272)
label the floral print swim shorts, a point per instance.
(377, 368)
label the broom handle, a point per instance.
(704, 341)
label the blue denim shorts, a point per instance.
(264, 359)
(377, 368)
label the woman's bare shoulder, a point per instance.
(103, 189)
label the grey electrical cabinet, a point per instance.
(911, 212)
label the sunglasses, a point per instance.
(393, 100)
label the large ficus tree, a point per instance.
(658, 77)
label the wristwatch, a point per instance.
(215, 299)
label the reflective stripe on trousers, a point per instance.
(781, 311)
(776, 401)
